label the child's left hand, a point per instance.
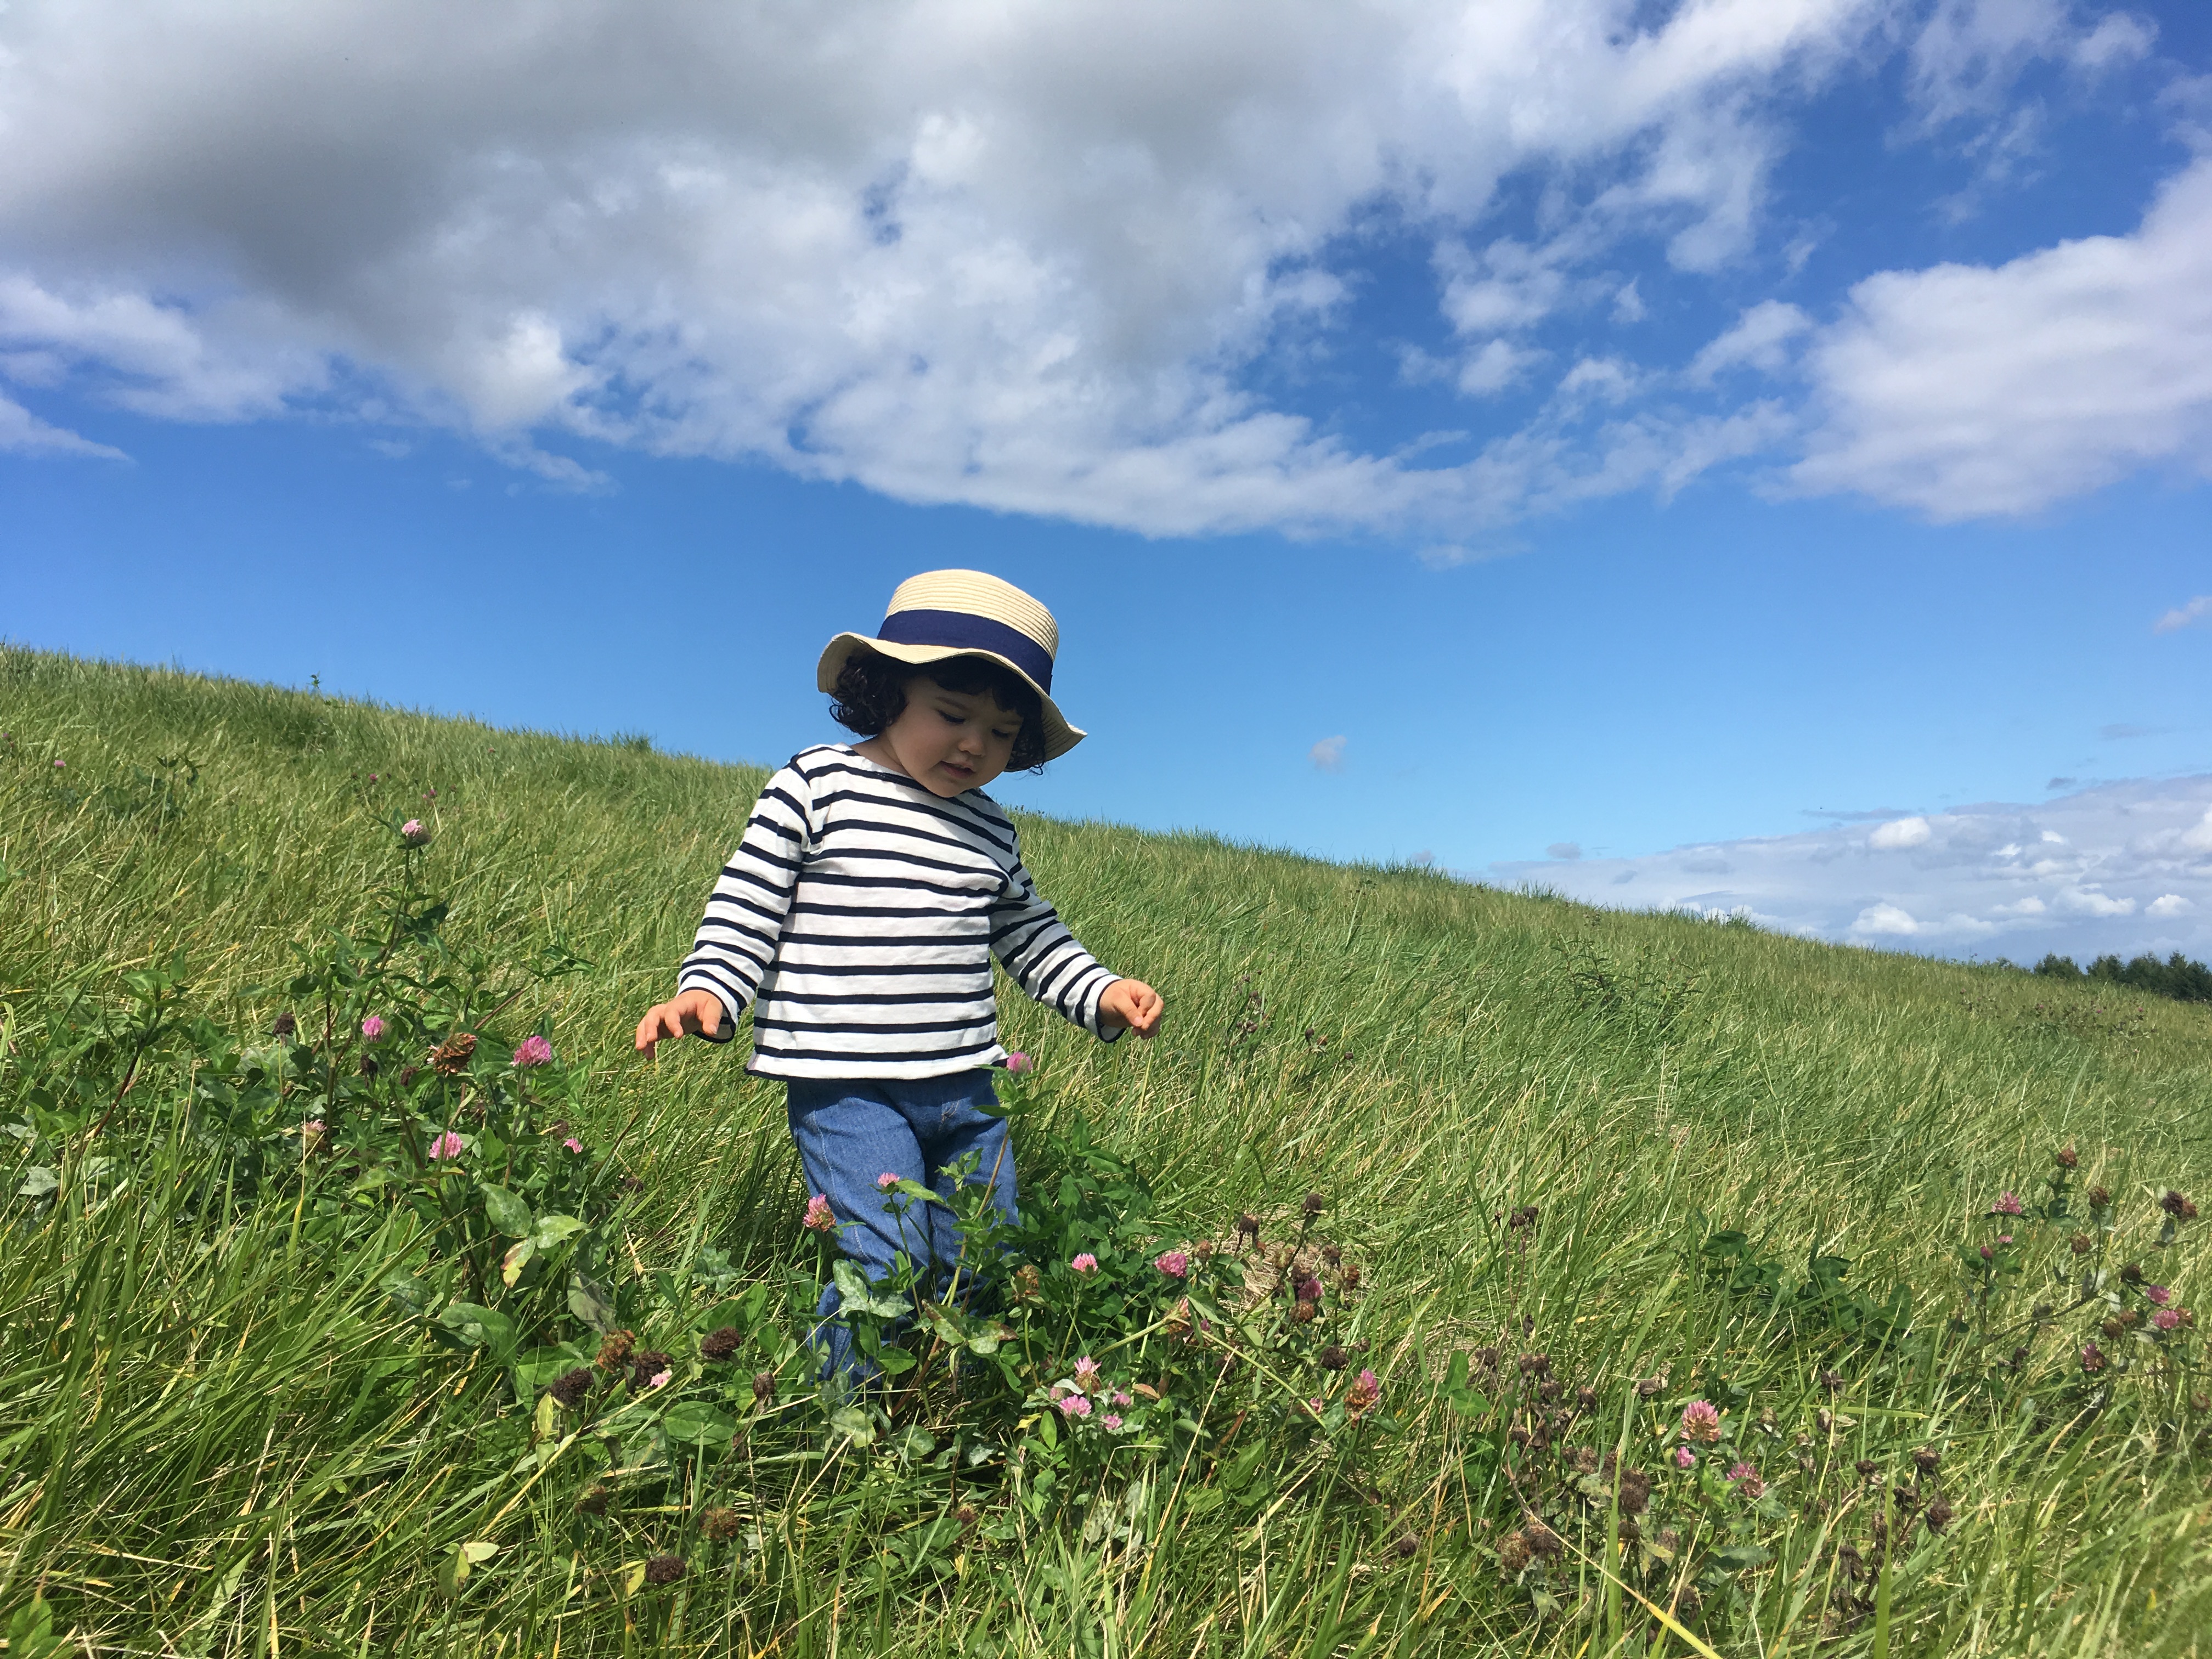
(1130, 1004)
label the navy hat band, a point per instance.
(962, 630)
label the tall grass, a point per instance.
(222, 1441)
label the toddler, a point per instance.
(860, 913)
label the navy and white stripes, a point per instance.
(858, 915)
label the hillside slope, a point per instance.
(1427, 1054)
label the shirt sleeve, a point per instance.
(1043, 956)
(737, 938)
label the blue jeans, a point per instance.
(851, 1130)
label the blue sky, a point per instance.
(1643, 448)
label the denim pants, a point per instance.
(851, 1130)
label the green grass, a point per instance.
(219, 1441)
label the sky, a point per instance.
(1749, 455)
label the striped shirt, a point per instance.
(858, 915)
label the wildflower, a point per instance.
(570, 1387)
(2092, 1357)
(1542, 1540)
(1112, 1422)
(2157, 1295)
(1745, 1480)
(373, 1027)
(534, 1051)
(368, 1065)
(1685, 1458)
(310, 1135)
(819, 1219)
(1635, 1491)
(1927, 1460)
(663, 1570)
(2066, 1157)
(1409, 1544)
(1174, 1263)
(1308, 1289)
(447, 1145)
(721, 1524)
(2200, 1401)
(2132, 1274)
(60, 766)
(614, 1350)
(719, 1344)
(573, 1144)
(2166, 1319)
(431, 794)
(1315, 1406)
(1028, 1282)
(1332, 1358)
(595, 1501)
(1247, 1226)
(763, 1388)
(1073, 1405)
(1085, 1263)
(646, 1366)
(1512, 1553)
(1535, 1365)
(1939, 1515)
(1647, 1388)
(1123, 1398)
(2007, 1204)
(2177, 1207)
(451, 1057)
(283, 1025)
(1701, 1423)
(1831, 1381)
(660, 1378)
(2005, 1238)
(886, 1181)
(1988, 1254)
(2080, 1244)
(1017, 1062)
(1313, 1204)
(1350, 1277)
(1361, 1397)
(413, 833)
(2099, 1199)
(1086, 1374)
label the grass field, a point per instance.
(221, 1432)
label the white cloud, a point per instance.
(2195, 612)
(1564, 849)
(955, 250)
(1971, 390)
(1760, 339)
(1900, 832)
(1886, 919)
(2123, 867)
(1328, 754)
(22, 433)
(1023, 257)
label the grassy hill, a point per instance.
(1762, 1172)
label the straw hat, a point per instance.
(964, 613)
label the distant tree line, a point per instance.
(2177, 977)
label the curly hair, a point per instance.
(872, 693)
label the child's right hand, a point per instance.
(687, 1012)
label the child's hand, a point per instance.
(688, 1011)
(1129, 1005)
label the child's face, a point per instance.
(948, 741)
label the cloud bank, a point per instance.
(1028, 257)
(2123, 867)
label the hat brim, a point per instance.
(1059, 736)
